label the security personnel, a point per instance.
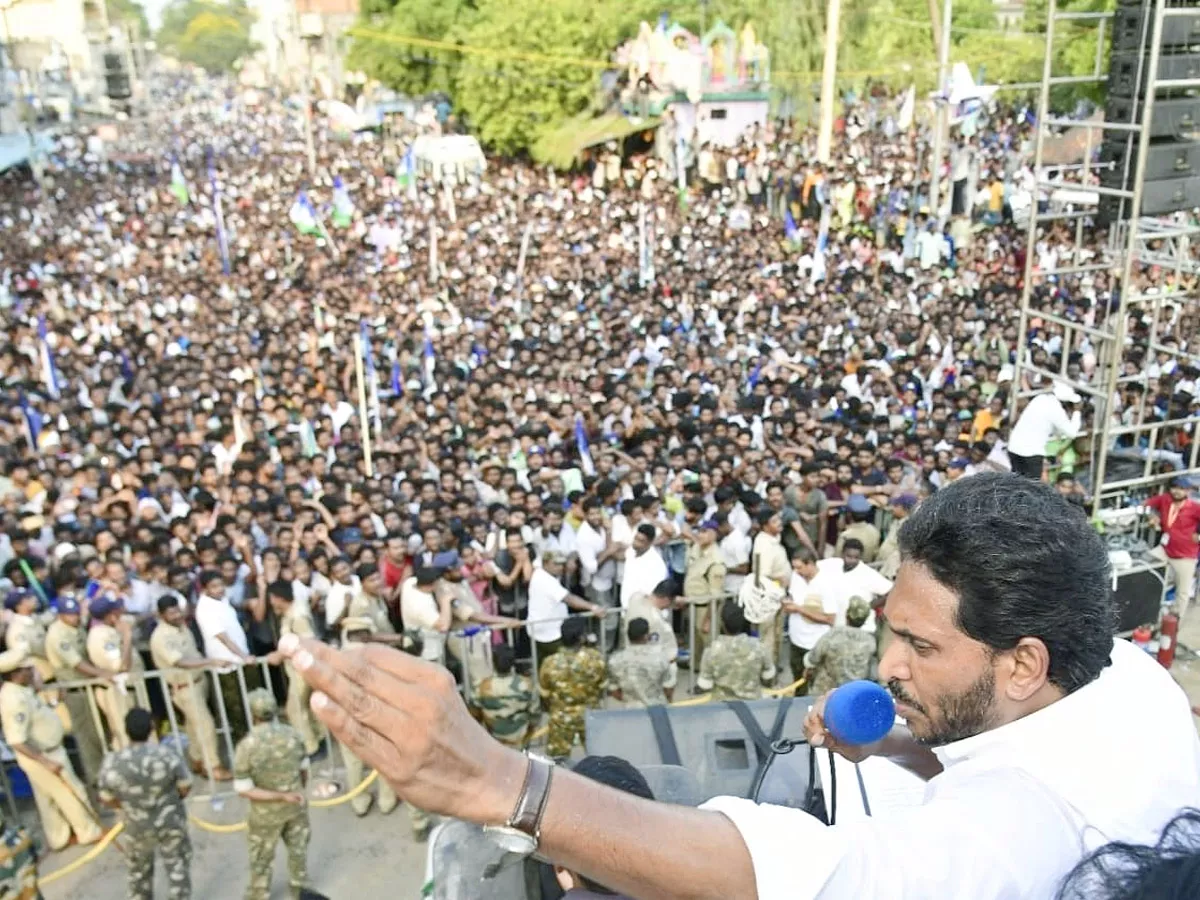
(18, 863)
(110, 648)
(25, 637)
(506, 701)
(270, 769)
(736, 666)
(640, 673)
(298, 621)
(35, 734)
(571, 681)
(66, 649)
(357, 631)
(174, 652)
(148, 783)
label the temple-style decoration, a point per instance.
(716, 85)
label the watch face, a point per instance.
(510, 840)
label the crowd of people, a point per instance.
(578, 449)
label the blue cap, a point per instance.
(67, 606)
(15, 597)
(857, 503)
(446, 559)
(709, 525)
(102, 606)
(959, 463)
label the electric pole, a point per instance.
(829, 80)
(942, 120)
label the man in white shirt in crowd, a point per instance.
(343, 587)
(735, 546)
(811, 604)
(550, 603)
(851, 577)
(225, 641)
(1015, 696)
(598, 557)
(422, 609)
(644, 565)
(1047, 416)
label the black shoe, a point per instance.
(320, 753)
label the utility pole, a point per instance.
(942, 120)
(833, 16)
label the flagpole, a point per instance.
(363, 419)
(528, 233)
(433, 251)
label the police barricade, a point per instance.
(219, 697)
(703, 617)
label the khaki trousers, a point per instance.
(192, 701)
(61, 801)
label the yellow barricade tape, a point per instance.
(100, 847)
(215, 828)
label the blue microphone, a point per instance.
(859, 712)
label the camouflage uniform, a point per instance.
(735, 667)
(640, 672)
(18, 864)
(272, 757)
(146, 779)
(506, 704)
(571, 681)
(842, 654)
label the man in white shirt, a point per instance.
(342, 589)
(850, 577)
(225, 641)
(598, 561)
(644, 565)
(1004, 664)
(550, 603)
(735, 546)
(1047, 416)
(811, 604)
(421, 610)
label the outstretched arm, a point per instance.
(405, 718)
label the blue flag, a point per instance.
(755, 375)
(585, 453)
(789, 227)
(50, 376)
(126, 368)
(369, 365)
(397, 384)
(33, 421)
(218, 215)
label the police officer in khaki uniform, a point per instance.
(35, 734)
(297, 621)
(66, 649)
(357, 631)
(110, 648)
(25, 637)
(174, 651)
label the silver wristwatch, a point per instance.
(521, 833)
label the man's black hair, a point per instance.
(138, 725)
(1168, 870)
(573, 630)
(502, 659)
(1023, 563)
(733, 619)
(167, 601)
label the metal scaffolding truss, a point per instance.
(1135, 441)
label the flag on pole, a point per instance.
(343, 206)
(789, 227)
(397, 382)
(33, 421)
(126, 368)
(908, 109)
(818, 271)
(429, 358)
(407, 176)
(178, 184)
(304, 217)
(308, 439)
(49, 372)
(219, 216)
(372, 381)
(755, 375)
(581, 442)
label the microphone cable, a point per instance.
(782, 747)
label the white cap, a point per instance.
(1065, 393)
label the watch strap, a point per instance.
(531, 804)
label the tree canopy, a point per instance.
(207, 33)
(517, 68)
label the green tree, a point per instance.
(129, 12)
(407, 67)
(214, 42)
(1074, 44)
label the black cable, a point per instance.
(782, 747)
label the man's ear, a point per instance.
(1029, 668)
(565, 879)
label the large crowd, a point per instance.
(550, 432)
